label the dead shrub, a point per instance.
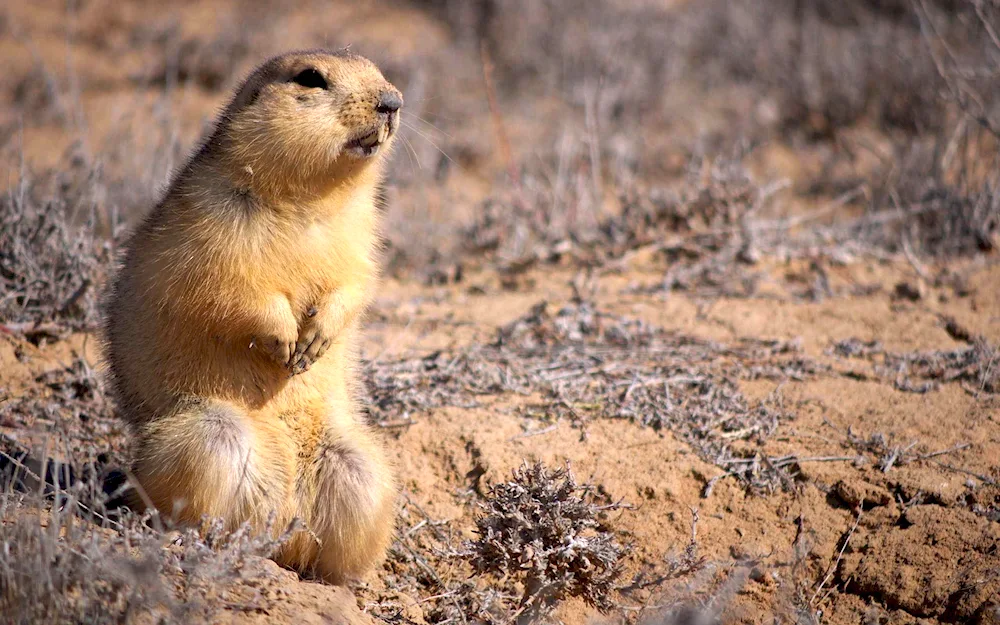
(52, 252)
(554, 42)
(59, 566)
(547, 531)
(827, 64)
(585, 364)
(976, 367)
(70, 409)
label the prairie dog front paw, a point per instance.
(323, 323)
(315, 337)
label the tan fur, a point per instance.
(232, 323)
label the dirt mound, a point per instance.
(936, 562)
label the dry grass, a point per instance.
(586, 364)
(70, 560)
(701, 227)
(828, 65)
(69, 553)
(976, 367)
(52, 254)
(69, 413)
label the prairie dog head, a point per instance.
(305, 120)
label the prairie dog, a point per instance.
(232, 322)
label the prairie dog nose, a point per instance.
(389, 101)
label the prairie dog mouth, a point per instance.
(368, 144)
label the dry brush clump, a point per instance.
(54, 251)
(703, 229)
(57, 570)
(976, 367)
(935, 201)
(73, 561)
(586, 364)
(429, 562)
(542, 538)
(68, 410)
(828, 64)
(545, 530)
(553, 218)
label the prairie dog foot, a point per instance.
(208, 458)
(346, 497)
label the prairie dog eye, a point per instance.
(310, 78)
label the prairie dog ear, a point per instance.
(270, 71)
(245, 97)
(250, 90)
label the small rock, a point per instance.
(857, 493)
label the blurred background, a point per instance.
(541, 131)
